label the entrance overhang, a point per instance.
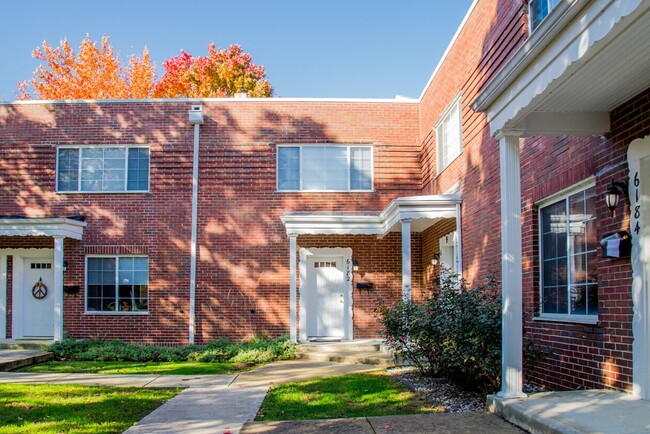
(49, 227)
(423, 211)
(586, 58)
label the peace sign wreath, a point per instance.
(39, 290)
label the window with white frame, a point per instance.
(117, 284)
(102, 168)
(324, 168)
(449, 135)
(569, 256)
(538, 10)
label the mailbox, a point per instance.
(616, 245)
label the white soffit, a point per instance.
(50, 227)
(588, 59)
(424, 211)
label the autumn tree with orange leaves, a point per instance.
(96, 72)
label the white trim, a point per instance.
(414, 208)
(565, 192)
(57, 290)
(275, 100)
(458, 247)
(3, 295)
(569, 319)
(18, 277)
(639, 150)
(346, 253)
(51, 227)
(293, 324)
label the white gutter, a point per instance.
(196, 119)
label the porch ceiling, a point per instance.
(51, 227)
(423, 211)
(586, 59)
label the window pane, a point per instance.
(592, 300)
(336, 168)
(578, 300)
(360, 168)
(68, 176)
(549, 300)
(313, 168)
(138, 175)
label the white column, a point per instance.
(511, 269)
(406, 260)
(458, 243)
(293, 329)
(57, 292)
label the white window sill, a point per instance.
(105, 192)
(325, 191)
(113, 313)
(570, 319)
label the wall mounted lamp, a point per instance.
(435, 259)
(355, 266)
(65, 266)
(613, 194)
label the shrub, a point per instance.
(257, 350)
(456, 333)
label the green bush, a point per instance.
(456, 333)
(257, 350)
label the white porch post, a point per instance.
(293, 329)
(511, 269)
(406, 260)
(57, 292)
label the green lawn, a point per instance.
(69, 408)
(355, 395)
(160, 368)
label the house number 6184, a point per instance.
(637, 206)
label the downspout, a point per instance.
(196, 119)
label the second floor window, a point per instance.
(324, 168)
(449, 135)
(102, 169)
(538, 10)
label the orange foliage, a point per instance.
(95, 72)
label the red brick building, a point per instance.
(175, 221)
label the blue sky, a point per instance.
(328, 48)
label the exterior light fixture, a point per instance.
(355, 266)
(65, 266)
(613, 194)
(435, 259)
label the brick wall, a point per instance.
(592, 356)
(243, 262)
(490, 36)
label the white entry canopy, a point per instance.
(69, 227)
(586, 58)
(423, 211)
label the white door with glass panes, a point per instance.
(38, 301)
(326, 292)
(448, 260)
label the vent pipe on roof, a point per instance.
(196, 119)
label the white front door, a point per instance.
(327, 299)
(37, 314)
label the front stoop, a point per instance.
(368, 352)
(14, 359)
(575, 412)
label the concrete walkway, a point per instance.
(227, 404)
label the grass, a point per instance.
(355, 395)
(158, 368)
(49, 408)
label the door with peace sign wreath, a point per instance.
(38, 303)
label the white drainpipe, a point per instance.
(196, 119)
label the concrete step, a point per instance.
(11, 359)
(342, 347)
(366, 358)
(25, 345)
